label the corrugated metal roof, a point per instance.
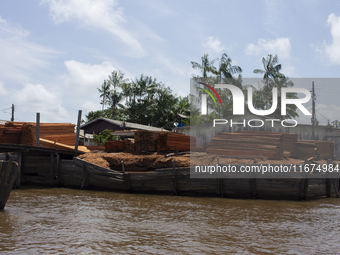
(129, 125)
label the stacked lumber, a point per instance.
(10, 133)
(51, 144)
(307, 149)
(325, 148)
(179, 142)
(163, 141)
(56, 132)
(130, 144)
(115, 145)
(289, 140)
(247, 145)
(146, 140)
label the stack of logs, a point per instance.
(247, 145)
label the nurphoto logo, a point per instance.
(239, 103)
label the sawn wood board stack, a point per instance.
(247, 145)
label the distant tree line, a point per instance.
(147, 101)
(143, 100)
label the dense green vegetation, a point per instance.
(147, 101)
(143, 101)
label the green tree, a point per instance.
(205, 67)
(92, 115)
(104, 136)
(116, 96)
(226, 70)
(271, 68)
(104, 93)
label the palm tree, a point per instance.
(271, 68)
(117, 81)
(206, 66)
(105, 93)
(226, 69)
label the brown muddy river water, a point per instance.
(67, 221)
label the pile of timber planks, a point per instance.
(146, 140)
(10, 133)
(307, 149)
(130, 144)
(324, 149)
(163, 141)
(289, 140)
(115, 145)
(247, 145)
(179, 142)
(52, 135)
(56, 132)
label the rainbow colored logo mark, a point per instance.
(204, 97)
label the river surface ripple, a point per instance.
(68, 221)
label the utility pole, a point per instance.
(12, 119)
(313, 111)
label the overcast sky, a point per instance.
(54, 54)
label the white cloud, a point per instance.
(214, 44)
(36, 95)
(333, 50)
(280, 46)
(18, 56)
(87, 75)
(34, 98)
(102, 14)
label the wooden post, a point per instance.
(123, 167)
(305, 190)
(126, 177)
(302, 183)
(219, 181)
(78, 132)
(51, 169)
(328, 187)
(253, 187)
(58, 169)
(18, 181)
(37, 143)
(329, 161)
(85, 184)
(174, 182)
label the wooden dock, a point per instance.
(48, 167)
